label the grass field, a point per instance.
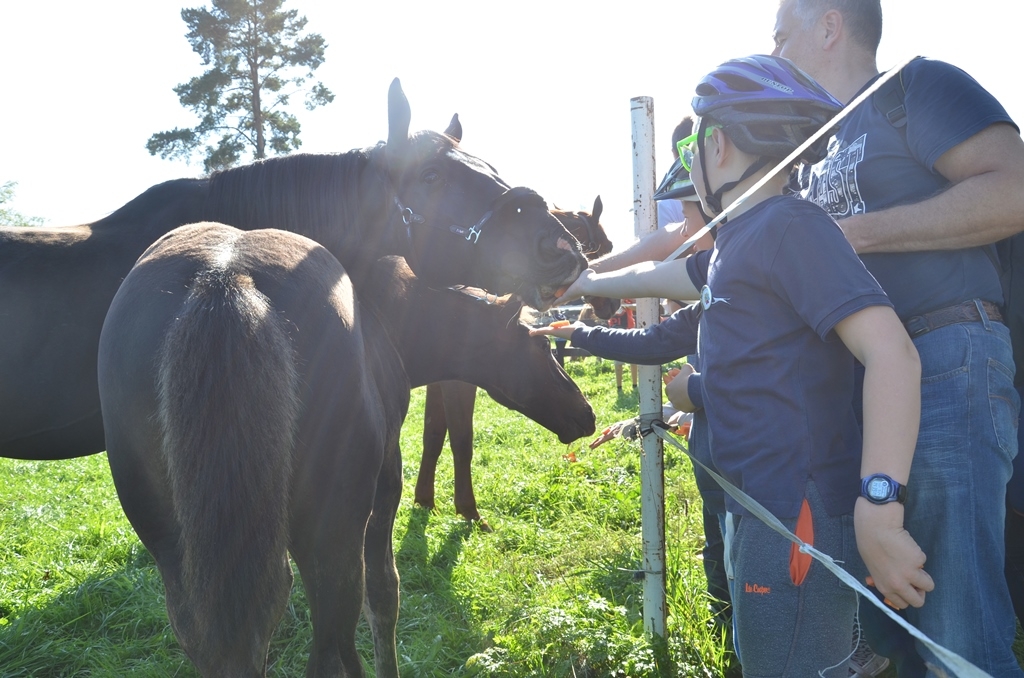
(551, 592)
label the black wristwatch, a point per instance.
(879, 488)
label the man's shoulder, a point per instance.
(940, 77)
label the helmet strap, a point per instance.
(714, 198)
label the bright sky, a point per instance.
(543, 88)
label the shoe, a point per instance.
(865, 662)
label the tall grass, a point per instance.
(553, 591)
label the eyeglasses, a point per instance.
(688, 146)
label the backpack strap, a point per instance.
(889, 101)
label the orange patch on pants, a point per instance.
(800, 563)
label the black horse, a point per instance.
(252, 400)
(420, 196)
(448, 411)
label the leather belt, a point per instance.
(967, 312)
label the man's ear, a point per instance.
(832, 23)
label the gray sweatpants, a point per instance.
(784, 629)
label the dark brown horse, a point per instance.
(421, 196)
(252, 400)
(449, 404)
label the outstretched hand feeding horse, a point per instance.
(253, 395)
(418, 195)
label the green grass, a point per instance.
(551, 592)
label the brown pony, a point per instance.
(418, 195)
(449, 404)
(252, 398)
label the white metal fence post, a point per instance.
(648, 313)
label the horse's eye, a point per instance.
(430, 176)
(519, 210)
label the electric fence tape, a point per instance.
(957, 664)
(791, 158)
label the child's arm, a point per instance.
(647, 279)
(892, 413)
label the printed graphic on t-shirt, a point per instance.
(833, 185)
(707, 299)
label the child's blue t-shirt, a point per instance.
(872, 165)
(777, 382)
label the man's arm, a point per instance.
(984, 203)
(648, 279)
(652, 247)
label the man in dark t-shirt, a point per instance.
(921, 193)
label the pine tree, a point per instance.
(253, 49)
(8, 217)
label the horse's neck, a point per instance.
(156, 211)
(338, 200)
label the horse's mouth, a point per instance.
(543, 297)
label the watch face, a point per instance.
(878, 488)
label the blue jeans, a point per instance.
(956, 506)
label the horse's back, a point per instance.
(234, 386)
(57, 283)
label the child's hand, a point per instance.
(676, 389)
(561, 331)
(893, 558)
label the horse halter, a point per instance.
(591, 245)
(472, 233)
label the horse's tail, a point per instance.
(228, 406)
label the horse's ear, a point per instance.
(454, 128)
(399, 117)
(598, 208)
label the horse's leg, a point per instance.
(381, 608)
(331, 504)
(459, 402)
(435, 428)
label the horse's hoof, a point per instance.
(483, 525)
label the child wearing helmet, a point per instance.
(787, 306)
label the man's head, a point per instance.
(815, 34)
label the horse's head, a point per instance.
(457, 334)
(587, 229)
(464, 223)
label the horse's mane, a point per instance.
(316, 195)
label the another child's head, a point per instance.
(753, 112)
